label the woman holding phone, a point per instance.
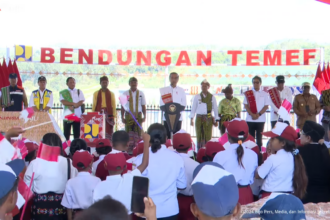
(166, 174)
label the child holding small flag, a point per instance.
(49, 173)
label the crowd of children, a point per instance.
(212, 184)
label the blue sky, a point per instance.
(178, 23)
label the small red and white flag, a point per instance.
(7, 151)
(284, 111)
(123, 99)
(72, 117)
(66, 147)
(48, 153)
(26, 114)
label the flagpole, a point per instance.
(28, 195)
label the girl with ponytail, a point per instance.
(283, 171)
(166, 173)
(239, 160)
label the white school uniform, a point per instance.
(96, 163)
(119, 187)
(49, 176)
(79, 191)
(262, 99)
(178, 96)
(277, 171)
(189, 167)
(200, 108)
(228, 160)
(166, 173)
(286, 93)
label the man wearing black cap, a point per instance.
(277, 96)
(13, 97)
(42, 98)
(306, 106)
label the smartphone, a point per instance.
(307, 108)
(140, 190)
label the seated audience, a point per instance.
(76, 145)
(103, 147)
(212, 148)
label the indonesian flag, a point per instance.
(7, 151)
(319, 83)
(72, 117)
(48, 153)
(284, 111)
(66, 147)
(26, 114)
(123, 99)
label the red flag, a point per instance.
(325, 74)
(328, 70)
(324, 1)
(10, 67)
(19, 80)
(2, 78)
(319, 83)
(72, 117)
(48, 153)
(5, 72)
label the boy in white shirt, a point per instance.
(118, 186)
(78, 193)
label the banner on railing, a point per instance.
(168, 58)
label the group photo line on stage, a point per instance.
(205, 112)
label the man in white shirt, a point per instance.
(256, 104)
(42, 98)
(137, 106)
(178, 96)
(72, 99)
(277, 96)
(203, 105)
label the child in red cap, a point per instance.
(212, 147)
(78, 193)
(283, 171)
(103, 147)
(239, 160)
(118, 186)
(182, 143)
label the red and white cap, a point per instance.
(237, 128)
(282, 130)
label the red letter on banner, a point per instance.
(183, 58)
(307, 55)
(120, 57)
(82, 55)
(290, 57)
(64, 55)
(47, 52)
(140, 56)
(167, 59)
(234, 54)
(109, 57)
(250, 57)
(207, 60)
(270, 60)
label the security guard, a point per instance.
(42, 98)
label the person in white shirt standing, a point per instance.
(73, 199)
(203, 105)
(277, 96)
(178, 96)
(182, 143)
(256, 104)
(42, 98)
(72, 99)
(239, 160)
(137, 105)
(166, 174)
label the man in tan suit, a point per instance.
(306, 106)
